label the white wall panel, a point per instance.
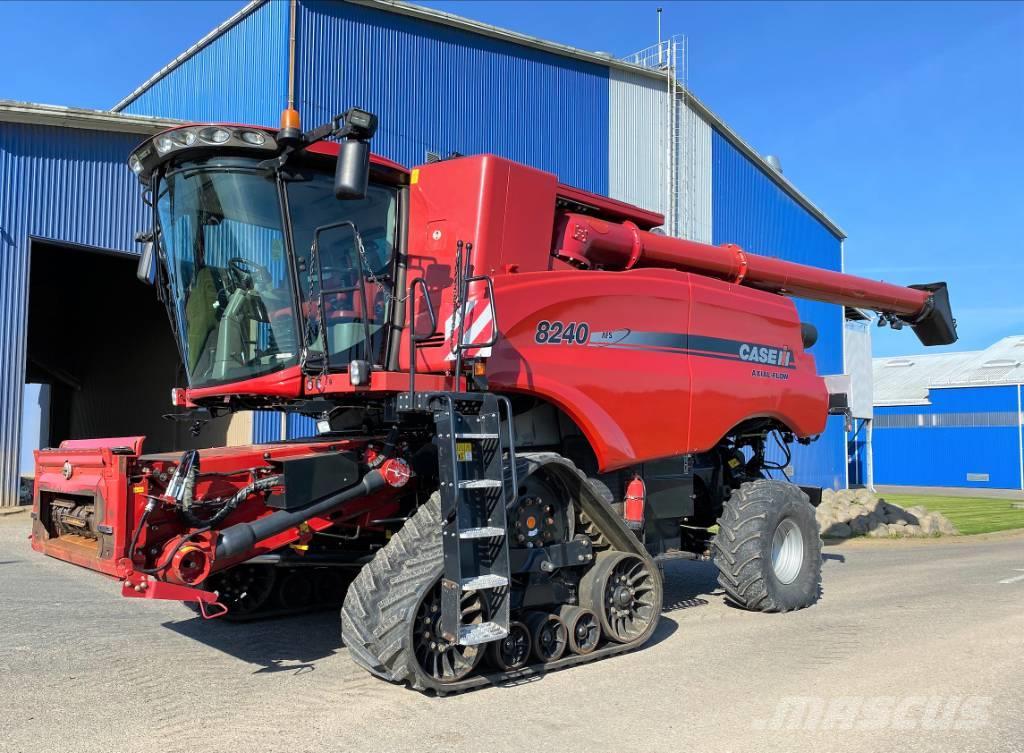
(636, 139)
(696, 205)
(638, 152)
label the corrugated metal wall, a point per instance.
(697, 219)
(441, 89)
(636, 139)
(967, 436)
(266, 426)
(638, 152)
(59, 184)
(240, 77)
(751, 210)
(300, 426)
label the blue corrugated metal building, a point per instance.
(951, 420)
(440, 84)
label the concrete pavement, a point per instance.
(916, 646)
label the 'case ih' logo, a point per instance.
(762, 354)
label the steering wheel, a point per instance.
(247, 274)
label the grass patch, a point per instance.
(969, 514)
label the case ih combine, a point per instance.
(524, 395)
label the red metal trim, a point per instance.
(104, 443)
(141, 586)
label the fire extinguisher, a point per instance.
(636, 500)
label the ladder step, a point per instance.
(476, 436)
(480, 483)
(484, 532)
(484, 632)
(484, 581)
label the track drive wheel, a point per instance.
(624, 590)
(512, 651)
(389, 621)
(767, 549)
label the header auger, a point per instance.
(524, 396)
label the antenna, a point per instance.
(659, 35)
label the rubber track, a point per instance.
(382, 600)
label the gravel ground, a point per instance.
(916, 646)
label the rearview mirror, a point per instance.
(352, 173)
(146, 271)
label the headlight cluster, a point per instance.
(144, 159)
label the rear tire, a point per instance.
(767, 549)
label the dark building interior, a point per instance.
(102, 342)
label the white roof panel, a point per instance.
(905, 380)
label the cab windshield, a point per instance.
(231, 282)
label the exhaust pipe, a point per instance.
(242, 537)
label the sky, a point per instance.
(903, 122)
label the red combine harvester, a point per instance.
(524, 395)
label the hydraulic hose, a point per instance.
(268, 482)
(242, 537)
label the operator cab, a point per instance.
(261, 266)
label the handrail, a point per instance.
(361, 288)
(413, 337)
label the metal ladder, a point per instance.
(476, 460)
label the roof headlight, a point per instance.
(174, 140)
(256, 138)
(135, 165)
(214, 135)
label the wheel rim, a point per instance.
(585, 633)
(550, 638)
(787, 551)
(512, 651)
(543, 514)
(630, 596)
(441, 660)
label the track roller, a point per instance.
(295, 590)
(583, 628)
(624, 591)
(512, 651)
(550, 636)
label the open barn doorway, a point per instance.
(101, 343)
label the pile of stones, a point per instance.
(860, 512)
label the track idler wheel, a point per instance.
(441, 661)
(245, 590)
(583, 628)
(624, 591)
(512, 651)
(549, 636)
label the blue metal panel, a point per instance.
(969, 430)
(443, 89)
(973, 399)
(62, 184)
(299, 426)
(856, 451)
(241, 76)
(266, 426)
(751, 210)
